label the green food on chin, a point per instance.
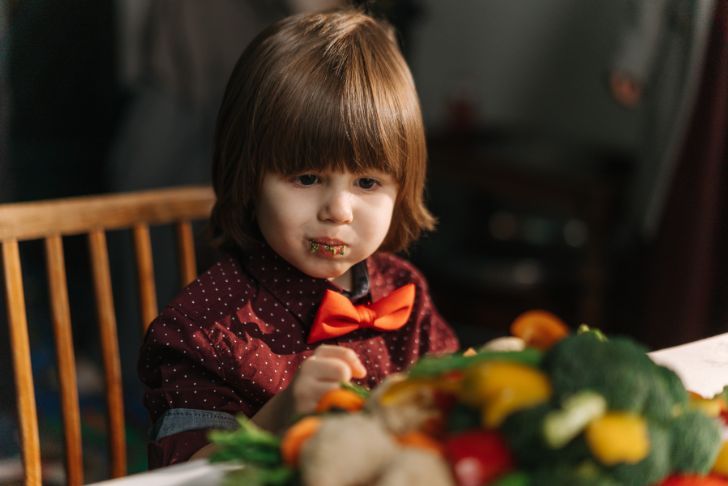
(333, 249)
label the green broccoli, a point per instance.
(523, 431)
(667, 396)
(652, 468)
(439, 365)
(585, 473)
(561, 426)
(618, 369)
(584, 328)
(696, 442)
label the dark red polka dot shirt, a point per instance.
(236, 336)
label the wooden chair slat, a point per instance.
(20, 345)
(92, 216)
(61, 313)
(110, 350)
(145, 275)
(186, 251)
(37, 219)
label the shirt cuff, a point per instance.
(176, 420)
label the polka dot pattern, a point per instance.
(236, 336)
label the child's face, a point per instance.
(324, 222)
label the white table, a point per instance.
(702, 365)
(191, 473)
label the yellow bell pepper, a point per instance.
(410, 388)
(709, 406)
(618, 437)
(721, 462)
(500, 388)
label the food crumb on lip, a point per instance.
(332, 249)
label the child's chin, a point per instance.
(334, 270)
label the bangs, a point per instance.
(313, 92)
(349, 109)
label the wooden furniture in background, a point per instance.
(92, 216)
(473, 271)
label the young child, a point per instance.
(319, 169)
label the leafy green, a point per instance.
(249, 444)
(435, 366)
(358, 389)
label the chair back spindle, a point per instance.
(145, 275)
(61, 318)
(19, 342)
(92, 216)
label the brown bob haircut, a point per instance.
(323, 91)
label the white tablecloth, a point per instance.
(702, 365)
(193, 473)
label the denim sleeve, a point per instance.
(176, 420)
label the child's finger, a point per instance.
(308, 395)
(321, 368)
(345, 354)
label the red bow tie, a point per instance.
(337, 316)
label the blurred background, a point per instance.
(577, 162)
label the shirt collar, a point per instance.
(298, 292)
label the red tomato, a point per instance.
(694, 480)
(477, 457)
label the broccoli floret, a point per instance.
(667, 396)
(722, 394)
(584, 328)
(586, 473)
(652, 468)
(696, 442)
(618, 369)
(523, 430)
(576, 412)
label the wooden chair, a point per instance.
(93, 216)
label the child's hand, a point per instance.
(324, 371)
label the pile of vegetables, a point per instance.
(544, 408)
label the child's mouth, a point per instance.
(326, 249)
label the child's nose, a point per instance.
(337, 208)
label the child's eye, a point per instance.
(367, 182)
(306, 179)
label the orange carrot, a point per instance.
(341, 399)
(296, 436)
(539, 329)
